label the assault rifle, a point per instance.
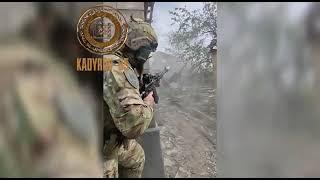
(150, 82)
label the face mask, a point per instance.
(143, 54)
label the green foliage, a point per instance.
(195, 35)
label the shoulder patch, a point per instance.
(132, 78)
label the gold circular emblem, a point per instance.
(102, 30)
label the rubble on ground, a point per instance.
(188, 131)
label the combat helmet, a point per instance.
(141, 38)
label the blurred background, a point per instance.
(51, 27)
(268, 90)
(34, 35)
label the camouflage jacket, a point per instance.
(127, 111)
(47, 129)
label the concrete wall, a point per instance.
(14, 14)
(128, 8)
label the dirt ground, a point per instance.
(188, 132)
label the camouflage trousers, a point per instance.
(131, 157)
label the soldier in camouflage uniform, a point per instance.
(47, 127)
(126, 115)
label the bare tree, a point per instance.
(195, 36)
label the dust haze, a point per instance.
(267, 118)
(188, 118)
